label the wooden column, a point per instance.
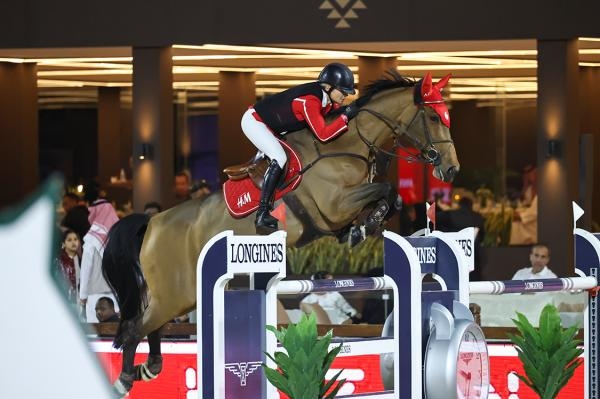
(19, 148)
(109, 134)
(589, 109)
(236, 93)
(558, 122)
(153, 125)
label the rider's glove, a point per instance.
(350, 110)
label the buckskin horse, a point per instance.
(151, 263)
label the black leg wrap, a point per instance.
(383, 210)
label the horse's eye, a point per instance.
(435, 118)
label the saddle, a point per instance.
(254, 169)
(242, 189)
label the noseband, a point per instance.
(428, 153)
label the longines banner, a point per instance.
(256, 252)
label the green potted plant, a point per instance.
(549, 353)
(300, 372)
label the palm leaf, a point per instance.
(549, 353)
(301, 371)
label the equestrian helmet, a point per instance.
(339, 76)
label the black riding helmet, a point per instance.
(339, 76)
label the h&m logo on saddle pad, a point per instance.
(244, 199)
(243, 370)
(342, 11)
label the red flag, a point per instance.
(431, 214)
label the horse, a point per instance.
(150, 263)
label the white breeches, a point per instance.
(262, 138)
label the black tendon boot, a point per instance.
(265, 223)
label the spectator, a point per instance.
(377, 309)
(182, 187)
(93, 285)
(539, 258)
(461, 218)
(200, 190)
(69, 201)
(76, 215)
(152, 208)
(524, 226)
(105, 310)
(337, 308)
(408, 216)
(529, 191)
(67, 263)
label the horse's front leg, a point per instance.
(355, 199)
(382, 202)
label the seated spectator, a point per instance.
(375, 310)
(539, 258)
(200, 190)
(152, 208)
(524, 225)
(336, 306)
(67, 263)
(105, 310)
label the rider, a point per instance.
(301, 106)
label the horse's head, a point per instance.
(418, 120)
(434, 141)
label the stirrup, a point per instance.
(268, 223)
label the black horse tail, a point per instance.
(121, 269)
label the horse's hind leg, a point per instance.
(153, 366)
(131, 339)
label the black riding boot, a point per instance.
(265, 223)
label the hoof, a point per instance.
(123, 384)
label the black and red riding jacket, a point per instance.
(299, 107)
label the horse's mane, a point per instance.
(390, 80)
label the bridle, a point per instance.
(428, 153)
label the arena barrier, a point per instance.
(232, 337)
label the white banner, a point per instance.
(465, 239)
(256, 253)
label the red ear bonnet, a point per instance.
(430, 95)
(426, 87)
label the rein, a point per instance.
(428, 153)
